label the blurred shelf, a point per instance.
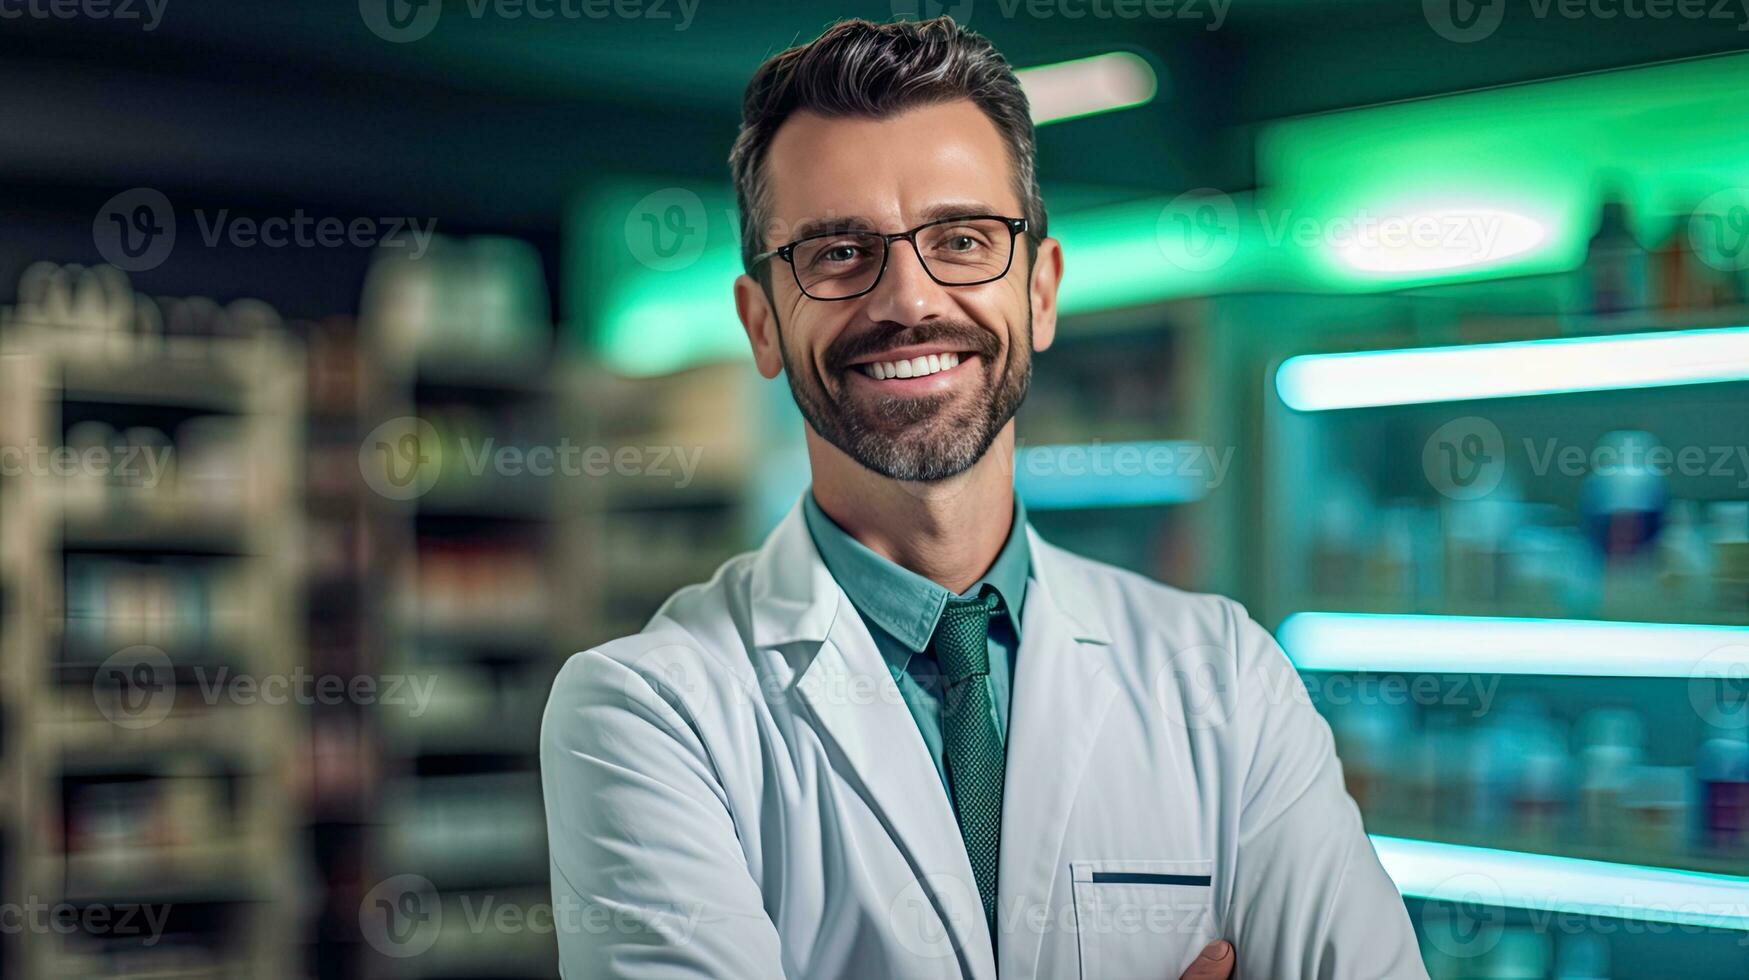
(230, 395)
(194, 533)
(213, 386)
(528, 373)
(86, 740)
(461, 950)
(487, 499)
(1565, 845)
(222, 871)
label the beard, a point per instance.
(914, 438)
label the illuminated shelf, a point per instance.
(1493, 644)
(1371, 379)
(1561, 844)
(1649, 608)
(1517, 879)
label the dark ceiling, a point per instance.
(496, 115)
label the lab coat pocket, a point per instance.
(1142, 919)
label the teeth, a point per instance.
(916, 367)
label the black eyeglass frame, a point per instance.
(1016, 228)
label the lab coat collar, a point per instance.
(1070, 592)
(796, 599)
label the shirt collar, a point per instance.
(901, 602)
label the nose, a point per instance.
(906, 294)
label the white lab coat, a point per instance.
(738, 791)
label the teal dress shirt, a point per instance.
(901, 608)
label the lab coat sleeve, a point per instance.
(1310, 898)
(648, 874)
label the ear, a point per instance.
(1047, 275)
(760, 322)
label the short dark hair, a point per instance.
(860, 68)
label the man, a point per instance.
(907, 737)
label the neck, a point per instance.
(949, 532)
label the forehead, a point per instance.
(887, 170)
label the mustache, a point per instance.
(959, 335)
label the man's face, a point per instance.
(890, 175)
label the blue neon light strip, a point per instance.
(1115, 474)
(1484, 876)
(1498, 645)
(1366, 379)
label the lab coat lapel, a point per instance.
(1063, 687)
(860, 711)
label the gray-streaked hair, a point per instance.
(862, 69)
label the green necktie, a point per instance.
(970, 740)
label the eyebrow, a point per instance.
(936, 212)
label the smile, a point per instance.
(920, 366)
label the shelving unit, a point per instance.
(1571, 773)
(475, 600)
(144, 777)
(1123, 450)
(658, 527)
(18, 411)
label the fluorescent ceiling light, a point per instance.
(1485, 644)
(1363, 379)
(1117, 474)
(1485, 877)
(1438, 241)
(1087, 86)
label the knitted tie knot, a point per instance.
(962, 636)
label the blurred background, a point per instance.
(360, 361)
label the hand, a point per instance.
(1215, 963)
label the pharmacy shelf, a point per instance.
(18, 634)
(247, 377)
(1373, 574)
(460, 602)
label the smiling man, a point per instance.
(907, 737)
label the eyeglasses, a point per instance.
(964, 251)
